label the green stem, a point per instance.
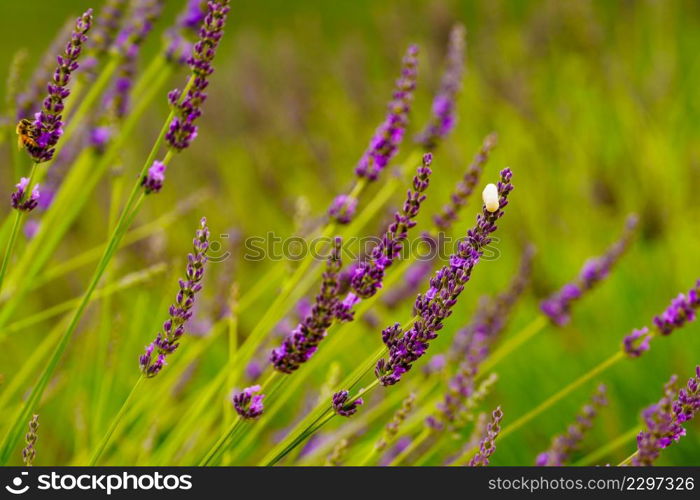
(605, 450)
(628, 460)
(115, 423)
(555, 398)
(513, 343)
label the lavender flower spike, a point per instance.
(466, 186)
(444, 116)
(343, 208)
(681, 311)
(188, 108)
(152, 182)
(387, 138)
(564, 445)
(369, 274)
(488, 443)
(248, 403)
(167, 341)
(445, 287)
(302, 342)
(558, 306)
(186, 27)
(341, 405)
(47, 127)
(29, 452)
(106, 27)
(19, 198)
(663, 420)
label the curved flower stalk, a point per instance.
(385, 143)
(187, 103)
(664, 420)
(179, 39)
(303, 341)
(444, 114)
(558, 306)
(29, 451)
(681, 311)
(47, 127)
(445, 287)
(249, 403)
(167, 341)
(488, 443)
(565, 444)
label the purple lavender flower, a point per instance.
(179, 38)
(343, 208)
(369, 274)
(167, 341)
(663, 420)
(387, 138)
(681, 311)
(558, 306)
(47, 127)
(466, 186)
(444, 114)
(30, 100)
(445, 287)
(565, 444)
(248, 403)
(19, 198)
(341, 405)
(488, 443)
(152, 182)
(303, 341)
(188, 107)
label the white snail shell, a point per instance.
(490, 197)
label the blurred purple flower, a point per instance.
(248, 403)
(19, 198)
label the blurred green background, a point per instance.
(597, 109)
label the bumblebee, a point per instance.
(26, 134)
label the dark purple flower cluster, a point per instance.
(445, 287)
(663, 420)
(488, 443)
(152, 182)
(466, 186)
(369, 273)
(558, 306)
(19, 198)
(682, 310)
(167, 341)
(302, 342)
(444, 114)
(343, 208)
(565, 444)
(249, 403)
(47, 127)
(188, 107)
(387, 138)
(179, 38)
(341, 405)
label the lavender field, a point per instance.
(350, 233)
